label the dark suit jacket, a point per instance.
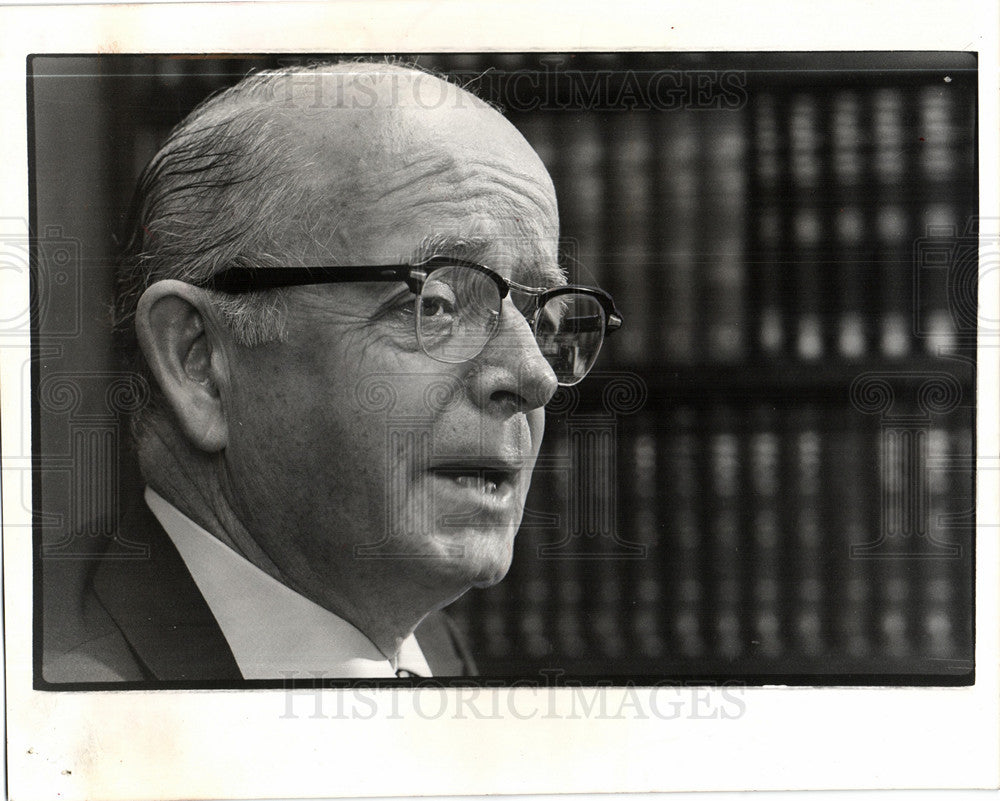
(106, 618)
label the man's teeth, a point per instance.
(477, 482)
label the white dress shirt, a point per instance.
(274, 632)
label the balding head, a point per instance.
(372, 141)
(313, 165)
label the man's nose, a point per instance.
(512, 375)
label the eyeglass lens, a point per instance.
(459, 310)
(569, 331)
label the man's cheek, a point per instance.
(536, 427)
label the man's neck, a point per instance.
(190, 481)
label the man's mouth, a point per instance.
(487, 480)
(493, 480)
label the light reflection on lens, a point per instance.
(459, 310)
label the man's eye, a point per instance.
(435, 307)
(437, 300)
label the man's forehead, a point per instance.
(372, 119)
(409, 155)
(373, 114)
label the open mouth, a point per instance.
(487, 480)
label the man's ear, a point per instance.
(179, 341)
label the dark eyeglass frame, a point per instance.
(240, 280)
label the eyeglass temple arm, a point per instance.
(239, 280)
(583, 325)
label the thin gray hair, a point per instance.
(218, 194)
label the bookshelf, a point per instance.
(767, 256)
(791, 240)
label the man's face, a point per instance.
(357, 461)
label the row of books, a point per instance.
(808, 537)
(806, 222)
(800, 226)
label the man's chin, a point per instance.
(480, 563)
(490, 581)
(453, 584)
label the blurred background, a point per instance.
(769, 475)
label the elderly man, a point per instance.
(344, 289)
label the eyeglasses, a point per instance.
(458, 307)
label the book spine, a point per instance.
(770, 326)
(682, 491)
(597, 540)
(609, 617)
(645, 612)
(630, 216)
(945, 586)
(579, 170)
(531, 584)
(676, 233)
(900, 461)
(961, 522)
(724, 531)
(723, 234)
(849, 170)
(892, 221)
(538, 128)
(807, 226)
(936, 632)
(938, 160)
(806, 451)
(565, 567)
(853, 506)
(767, 635)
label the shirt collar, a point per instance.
(272, 630)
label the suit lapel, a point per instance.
(159, 609)
(170, 628)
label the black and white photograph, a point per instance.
(730, 437)
(507, 392)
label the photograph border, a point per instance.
(177, 743)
